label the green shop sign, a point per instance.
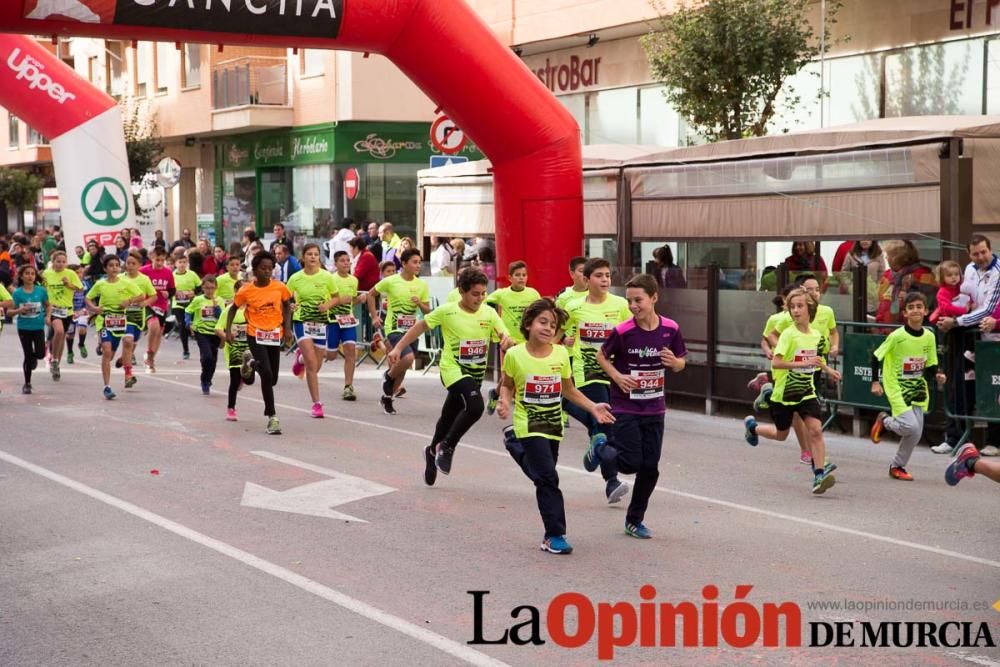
(348, 142)
(988, 379)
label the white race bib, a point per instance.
(913, 368)
(208, 313)
(347, 321)
(405, 322)
(265, 337)
(31, 309)
(60, 313)
(802, 355)
(115, 323)
(650, 385)
(543, 390)
(473, 351)
(593, 334)
(240, 333)
(315, 330)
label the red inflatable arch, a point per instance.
(445, 49)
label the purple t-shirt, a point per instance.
(633, 351)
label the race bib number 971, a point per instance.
(543, 389)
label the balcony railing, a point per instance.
(251, 80)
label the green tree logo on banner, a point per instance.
(100, 205)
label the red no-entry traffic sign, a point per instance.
(352, 183)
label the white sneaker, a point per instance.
(990, 450)
(943, 448)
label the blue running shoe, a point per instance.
(961, 467)
(822, 483)
(108, 394)
(556, 545)
(638, 530)
(592, 457)
(206, 388)
(751, 433)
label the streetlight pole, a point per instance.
(822, 62)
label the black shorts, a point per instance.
(394, 339)
(67, 323)
(782, 414)
(152, 314)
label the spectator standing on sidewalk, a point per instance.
(981, 282)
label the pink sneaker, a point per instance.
(298, 366)
(231, 415)
(317, 411)
(806, 458)
(759, 381)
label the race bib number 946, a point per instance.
(472, 351)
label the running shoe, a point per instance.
(556, 545)
(231, 414)
(349, 393)
(54, 369)
(148, 364)
(430, 467)
(273, 426)
(638, 530)
(990, 450)
(401, 393)
(298, 366)
(443, 458)
(899, 472)
(247, 369)
(750, 434)
(806, 458)
(108, 393)
(83, 352)
(69, 356)
(829, 467)
(943, 448)
(26, 389)
(119, 363)
(592, 457)
(963, 464)
(317, 410)
(387, 384)
(615, 491)
(186, 356)
(823, 483)
(130, 381)
(206, 388)
(758, 382)
(387, 406)
(878, 427)
(491, 401)
(762, 402)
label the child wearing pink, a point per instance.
(950, 300)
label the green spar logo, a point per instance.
(100, 204)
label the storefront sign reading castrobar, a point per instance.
(303, 18)
(571, 75)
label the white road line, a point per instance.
(441, 643)
(682, 494)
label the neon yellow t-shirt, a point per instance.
(137, 314)
(467, 339)
(111, 296)
(793, 386)
(4, 294)
(772, 323)
(454, 296)
(512, 306)
(185, 282)
(401, 315)
(310, 292)
(904, 358)
(225, 286)
(591, 324)
(205, 313)
(569, 296)
(538, 386)
(61, 296)
(824, 322)
(234, 351)
(343, 313)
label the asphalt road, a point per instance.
(103, 562)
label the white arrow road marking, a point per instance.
(315, 499)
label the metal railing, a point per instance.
(250, 81)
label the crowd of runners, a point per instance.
(588, 354)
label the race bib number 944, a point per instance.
(649, 385)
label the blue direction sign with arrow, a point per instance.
(445, 160)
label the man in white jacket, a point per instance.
(982, 283)
(339, 241)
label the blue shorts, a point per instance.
(300, 334)
(108, 337)
(337, 336)
(395, 337)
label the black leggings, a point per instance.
(33, 346)
(462, 408)
(234, 385)
(539, 464)
(182, 328)
(208, 349)
(266, 358)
